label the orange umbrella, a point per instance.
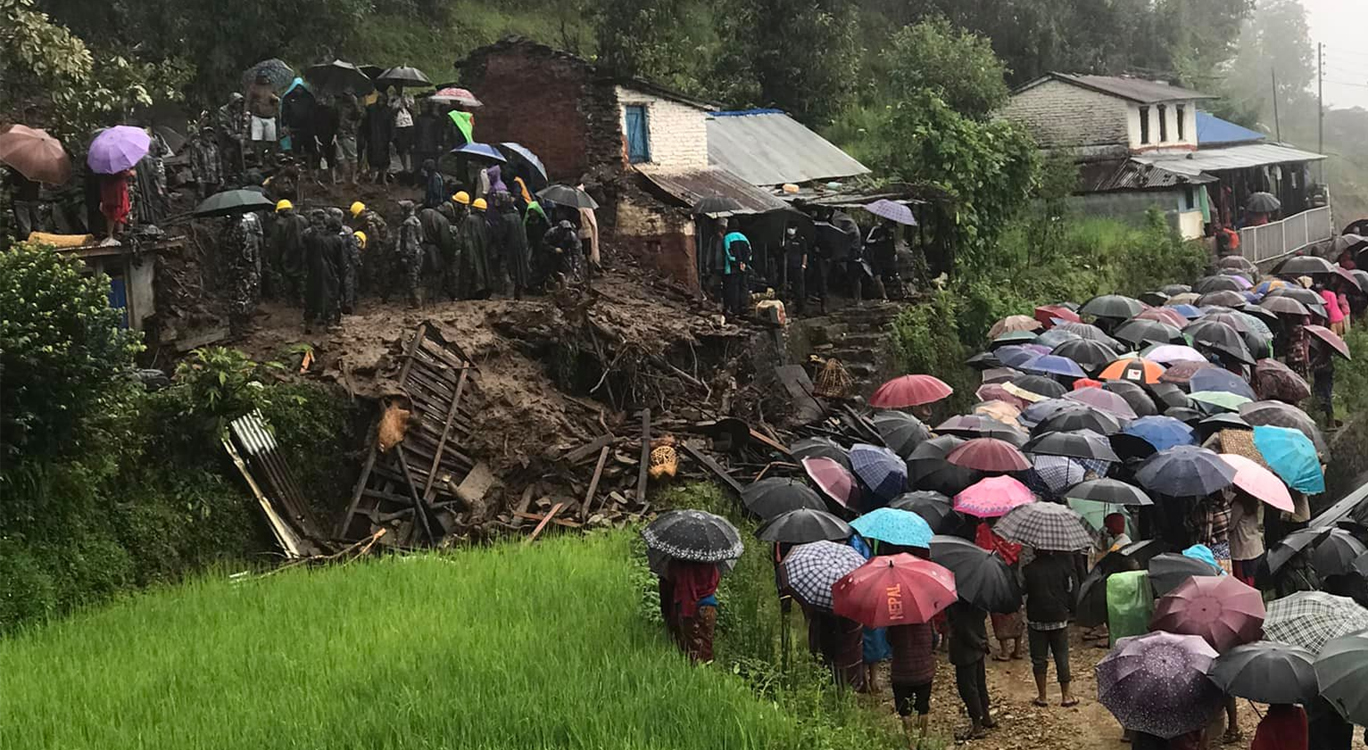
(35, 154)
(1134, 369)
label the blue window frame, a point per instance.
(638, 134)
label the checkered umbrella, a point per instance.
(693, 535)
(1045, 526)
(1311, 619)
(881, 470)
(812, 569)
(1051, 475)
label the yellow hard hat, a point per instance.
(462, 198)
(284, 206)
(357, 208)
(361, 239)
(480, 204)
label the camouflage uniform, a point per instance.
(409, 251)
(244, 244)
(375, 276)
(204, 163)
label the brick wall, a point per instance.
(678, 136)
(1061, 115)
(661, 238)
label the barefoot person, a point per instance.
(1049, 590)
(968, 650)
(1008, 628)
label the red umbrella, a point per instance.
(833, 479)
(910, 390)
(1164, 315)
(35, 154)
(896, 590)
(1222, 610)
(988, 454)
(1331, 338)
(1048, 314)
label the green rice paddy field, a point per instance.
(502, 647)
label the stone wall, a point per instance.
(678, 132)
(1061, 115)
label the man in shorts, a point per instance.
(263, 107)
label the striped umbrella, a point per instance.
(1311, 619)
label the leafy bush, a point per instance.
(60, 350)
(221, 385)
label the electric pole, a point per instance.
(1277, 123)
(1320, 95)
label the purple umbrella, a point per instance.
(1158, 684)
(893, 212)
(1101, 400)
(117, 149)
(1015, 355)
(1050, 364)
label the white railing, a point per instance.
(1270, 241)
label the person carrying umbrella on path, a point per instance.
(693, 589)
(695, 544)
(1050, 591)
(880, 249)
(1322, 368)
(1007, 628)
(968, 651)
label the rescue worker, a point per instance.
(795, 268)
(409, 251)
(377, 276)
(243, 237)
(285, 257)
(473, 237)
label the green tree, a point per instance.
(1277, 39)
(666, 41)
(61, 348)
(954, 64)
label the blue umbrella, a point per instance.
(482, 150)
(522, 151)
(1050, 364)
(1015, 356)
(1161, 432)
(897, 212)
(1292, 456)
(881, 470)
(1214, 379)
(1191, 312)
(1185, 471)
(901, 527)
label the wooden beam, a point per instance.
(417, 501)
(446, 432)
(545, 520)
(594, 483)
(644, 469)
(769, 442)
(714, 467)
(523, 505)
(589, 449)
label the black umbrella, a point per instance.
(1169, 570)
(1040, 385)
(1303, 295)
(1266, 672)
(1168, 396)
(927, 468)
(1143, 331)
(820, 447)
(1284, 306)
(1080, 417)
(769, 498)
(564, 195)
(1090, 332)
(1135, 395)
(1175, 289)
(1335, 553)
(1304, 265)
(1154, 299)
(338, 76)
(232, 203)
(1208, 284)
(371, 71)
(1108, 491)
(1221, 299)
(1219, 422)
(524, 164)
(1278, 414)
(983, 361)
(900, 431)
(980, 425)
(1262, 203)
(1221, 337)
(1056, 336)
(1185, 471)
(1186, 414)
(403, 76)
(981, 577)
(693, 535)
(804, 525)
(1112, 306)
(1073, 444)
(1090, 355)
(1238, 264)
(716, 204)
(936, 509)
(277, 74)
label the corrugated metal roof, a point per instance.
(1212, 130)
(1109, 176)
(691, 187)
(1135, 89)
(1231, 157)
(767, 147)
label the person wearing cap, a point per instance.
(473, 239)
(375, 274)
(455, 210)
(285, 254)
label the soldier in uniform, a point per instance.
(438, 245)
(204, 162)
(455, 211)
(409, 251)
(349, 263)
(243, 237)
(563, 242)
(377, 276)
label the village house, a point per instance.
(1143, 144)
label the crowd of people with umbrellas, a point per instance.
(488, 220)
(1134, 468)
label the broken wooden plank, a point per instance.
(413, 493)
(714, 467)
(545, 520)
(769, 442)
(645, 455)
(523, 504)
(806, 407)
(565, 522)
(594, 483)
(589, 449)
(446, 433)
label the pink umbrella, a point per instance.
(1164, 315)
(833, 479)
(1259, 482)
(453, 95)
(1048, 314)
(1166, 354)
(993, 497)
(996, 392)
(1104, 401)
(910, 390)
(1222, 610)
(988, 454)
(895, 590)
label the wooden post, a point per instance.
(643, 471)
(594, 483)
(545, 520)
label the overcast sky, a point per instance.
(1342, 26)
